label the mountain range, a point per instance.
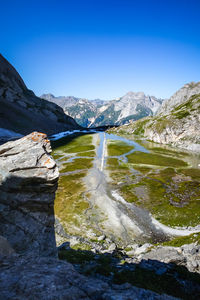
(177, 121)
(94, 113)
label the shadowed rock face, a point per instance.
(28, 180)
(22, 112)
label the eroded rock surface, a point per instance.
(49, 279)
(28, 180)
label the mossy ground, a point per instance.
(69, 202)
(164, 185)
(71, 197)
(179, 241)
(74, 145)
(77, 164)
(116, 148)
(154, 159)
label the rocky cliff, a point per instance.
(28, 178)
(94, 113)
(177, 122)
(29, 268)
(23, 112)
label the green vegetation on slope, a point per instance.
(182, 240)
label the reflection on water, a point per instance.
(192, 158)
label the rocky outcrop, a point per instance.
(28, 181)
(181, 96)
(49, 279)
(94, 113)
(23, 112)
(177, 122)
(29, 268)
(186, 255)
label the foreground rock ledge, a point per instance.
(29, 268)
(28, 181)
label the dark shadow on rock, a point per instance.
(27, 215)
(28, 181)
(163, 278)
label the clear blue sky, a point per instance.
(102, 49)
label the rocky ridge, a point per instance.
(28, 256)
(94, 113)
(177, 122)
(22, 112)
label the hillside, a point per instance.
(93, 113)
(177, 122)
(23, 112)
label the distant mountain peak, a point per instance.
(132, 106)
(47, 96)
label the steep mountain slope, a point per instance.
(177, 121)
(132, 106)
(181, 96)
(82, 110)
(23, 112)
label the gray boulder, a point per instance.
(28, 181)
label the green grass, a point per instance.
(179, 241)
(161, 191)
(116, 148)
(181, 114)
(154, 159)
(76, 145)
(87, 153)
(139, 126)
(165, 151)
(118, 171)
(77, 164)
(142, 169)
(69, 203)
(127, 192)
(192, 172)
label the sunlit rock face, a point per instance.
(94, 113)
(181, 96)
(177, 121)
(28, 180)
